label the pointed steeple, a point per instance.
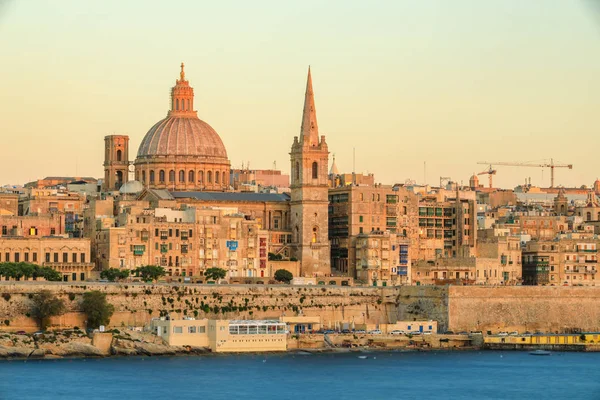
(334, 169)
(309, 132)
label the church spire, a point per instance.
(309, 131)
(182, 73)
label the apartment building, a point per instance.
(185, 242)
(382, 259)
(571, 259)
(69, 256)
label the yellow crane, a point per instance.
(550, 165)
(490, 172)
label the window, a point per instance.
(200, 176)
(82, 258)
(143, 176)
(360, 218)
(47, 257)
(201, 329)
(4, 230)
(17, 257)
(216, 176)
(297, 171)
(315, 170)
(34, 257)
(74, 257)
(209, 177)
(177, 329)
(151, 176)
(55, 257)
(182, 176)
(52, 231)
(171, 176)
(191, 176)
(191, 329)
(65, 257)
(161, 176)
(119, 155)
(26, 257)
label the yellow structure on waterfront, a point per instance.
(223, 336)
(544, 339)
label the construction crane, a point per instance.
(550, 165)
(490, 173)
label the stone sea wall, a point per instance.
(456, 308)
(524, 308)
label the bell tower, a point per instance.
(309, 198)
(116, 162)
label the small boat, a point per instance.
(540, 353)
(363, 357)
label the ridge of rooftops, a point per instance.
(233, 196)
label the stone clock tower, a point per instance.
(116, 162)
(309, 202)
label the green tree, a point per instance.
(150, 272)
(282, 275)
(96, 308)
(46, 305)
(215, 273)
(48, 274)
(114, 274)
(275, 257)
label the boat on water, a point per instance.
(363, 357)
(540, 353)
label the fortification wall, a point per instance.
(137, 304)
(456, 308)
(524, 308)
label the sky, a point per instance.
(419, 88)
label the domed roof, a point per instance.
(182, 136)
(182, 133)
(131, 187)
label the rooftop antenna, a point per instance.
(354, 166)
(425, 173)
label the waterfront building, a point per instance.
(223, 336)
(68, 256)
(498, 259)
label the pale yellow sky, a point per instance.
(449, 83)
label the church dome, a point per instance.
(131, 187)
(182, 136)
(181, 152)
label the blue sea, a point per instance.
(383, 375)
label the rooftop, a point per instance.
(222, 196)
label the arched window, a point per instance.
(191, 177)
(200, 176)
(119, 177)
(216, 176)
(188, 105)
(143, 176)
(589, 216)
(151, 176)
(314, 234)
(137, 175)
(119, 155)
(182, 176)
(404, 232)
(373, 197)
(315, 170)
(209, 177)
(598, 216)
(177, 104)
(171, 176)
(378, 197)
(161, 176)
(224, 177)
(362, 197)
(297, 171)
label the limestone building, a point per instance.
(70, 257)
(181, 152)
(309, 192)
(116, 162)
